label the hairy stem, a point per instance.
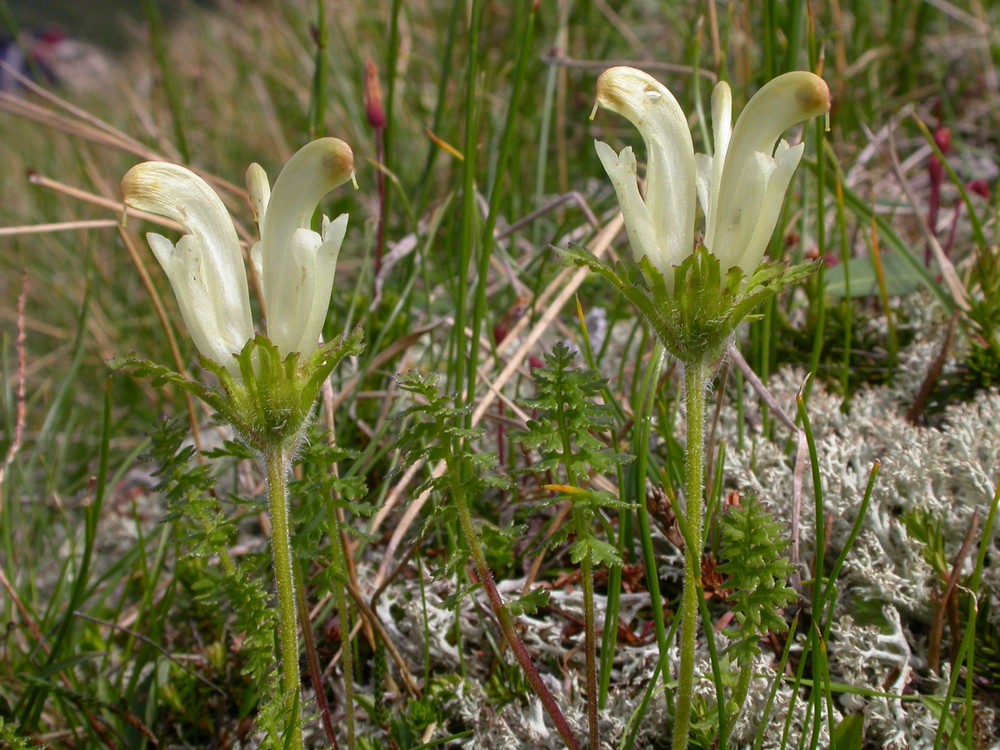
(695, 380)
(276, 464)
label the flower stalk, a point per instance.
(589, 631)
(644, 419)
(277, 463)
(340, 551)
(696, 378)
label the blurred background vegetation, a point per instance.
(219, 85)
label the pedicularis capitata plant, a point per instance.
(696, 289)
(268, 384)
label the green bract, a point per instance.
(270, 399)
(696, 314)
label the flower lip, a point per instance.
(625, 90)
(784, 101)
(815, 97)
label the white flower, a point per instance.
(205, 267)
(740, 189)
(296, 265)
(661, 227)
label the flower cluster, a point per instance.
(205, 267)
(740, 188)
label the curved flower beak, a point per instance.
(661, 226)
(742, 187)
(205, 267)
(297, 265)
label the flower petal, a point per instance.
(325, 266)
(704, 167)
(291, 253)
(785, 162)
(738, 217)
(260, 192)
(621, 168)
(722, 130)
(205, 266)
(670, 169)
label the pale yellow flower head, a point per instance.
(741, 187)
(296, 265)
(205, 267)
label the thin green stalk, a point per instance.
(394, 48)
(338, 549)
(643, 419)
(545, 128)
(773, 692)
(312, 659)
(317, 98)
(34, 699)
(866, 214)
(696, 376)
(815, 637)
(609, 638)
(820, 295)
(845, 257)
(635, 720)
(469, 211)
(425, 621)
(276, 465)
(768, 38)
(158, 47)
(504, 618)
(966, 649)
(441, 97)
(766, 325)
(742, 688)
(720, 691)
(793, 29)
(526, 35)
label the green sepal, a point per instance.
(696, 320)
(273, 398)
